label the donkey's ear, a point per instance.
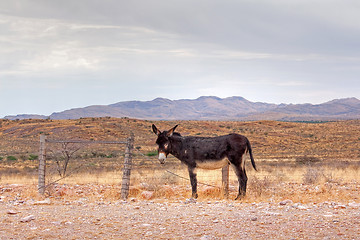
(155, 130)
(171, 131)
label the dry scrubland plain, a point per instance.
(270, 139)
(307, 186)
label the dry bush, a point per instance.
(312, 175)
(134, 191)
(209, 192)
(166, 191)
(260, 187)
(330, 178)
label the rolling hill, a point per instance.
(214, 108)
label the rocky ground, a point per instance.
(88, 218)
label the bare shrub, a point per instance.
(169, 178)
(212, 192)
(312, 175)
(331, 178)
(166, 191)
(260, 187)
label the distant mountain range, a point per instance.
(213, 108)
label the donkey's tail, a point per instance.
(250, 153)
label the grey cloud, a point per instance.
(261, 26)
(180, 49)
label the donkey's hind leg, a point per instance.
(242, 178)
(242, 184)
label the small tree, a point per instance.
(67, 151)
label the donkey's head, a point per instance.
(163, 142)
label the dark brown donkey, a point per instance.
(206, 153)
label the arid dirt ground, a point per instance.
(83, 216)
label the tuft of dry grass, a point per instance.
(312, 175)
(261, 187)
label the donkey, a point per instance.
(206, 153)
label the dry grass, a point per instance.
(299, 183)
(299, 159)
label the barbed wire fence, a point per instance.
(146, 170)
(69, 148)
(79, 161)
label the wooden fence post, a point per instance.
(127, 167)
(42, 164)
(225, 180)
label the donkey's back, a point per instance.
(230, 146)
(220, 145)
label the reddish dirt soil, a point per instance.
(86, 218)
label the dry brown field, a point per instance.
(270, 139)
(307, 185)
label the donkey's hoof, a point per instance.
(239, 197)
(194, 195)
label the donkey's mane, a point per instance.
(176, 134)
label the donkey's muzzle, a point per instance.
(162, 157)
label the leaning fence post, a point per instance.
(42, 164)
(225, 180)
(127, 167)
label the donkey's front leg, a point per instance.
(193, 182)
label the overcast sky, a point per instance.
(60, 54)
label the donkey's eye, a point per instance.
(166, 145)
